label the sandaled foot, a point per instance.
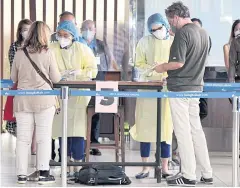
(142, 175)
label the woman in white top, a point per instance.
(35, 110)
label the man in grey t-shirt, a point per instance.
(185, 70)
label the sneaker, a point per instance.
(206, 180)
(46, 180)
(22, 179)
(181, 181)
(96, 152)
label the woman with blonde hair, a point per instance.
(35, 68)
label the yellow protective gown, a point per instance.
(149, 51)
(77, 58)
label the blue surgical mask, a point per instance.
(88, 35)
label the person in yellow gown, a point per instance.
(151, 49)
(76, 62)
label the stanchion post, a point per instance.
(64, 97)
(235, 142)
(158, 172)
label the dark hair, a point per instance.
(66, 13)
(235, 23)
(178, 9)
(19, 29)
(197, 20)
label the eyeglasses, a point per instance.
(67, 36)
(64, 36)
(153, 30)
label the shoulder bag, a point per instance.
(58, 109)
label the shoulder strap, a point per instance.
(37, 69)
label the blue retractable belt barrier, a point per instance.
(6, 83)
(29, 92)
(207, 86)
(212, 90)
(123, 94)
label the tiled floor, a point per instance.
(221, 163)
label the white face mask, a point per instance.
(24, 34)
(64, 42)
(160, 34)
(237, 33)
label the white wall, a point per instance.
(217, 17)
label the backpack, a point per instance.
(203, 108)
(102, 175)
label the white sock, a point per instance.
(77, 168)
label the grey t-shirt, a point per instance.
(190, 47)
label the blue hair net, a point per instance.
(157, 19)
(69, 27)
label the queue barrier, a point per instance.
(218, 90)
(123, 94)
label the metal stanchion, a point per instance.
(64, 97)
(235, 142)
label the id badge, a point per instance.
(98, 61)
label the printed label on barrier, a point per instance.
(106, 104)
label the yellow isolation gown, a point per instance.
(78, 58)
(149, 51)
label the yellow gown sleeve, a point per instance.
(89, 65)
(141, 61)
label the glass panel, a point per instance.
(59, 8)
(89, 10)
(100, 19)
(27, 9)
(110, 23)
(17, 14)
(69, 5)
(7, 37)
(121, 11)
(50, 14)
(79, 12)
(39, 10)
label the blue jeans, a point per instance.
(145, 149)
(75, 147)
